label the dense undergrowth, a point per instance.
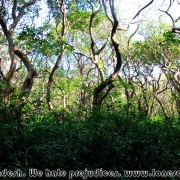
(111, 140)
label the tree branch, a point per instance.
(4, 26)
(24, 59)
(107, 15)
(114, 40)
(102, 48)
(1, 72)
(90, 29)
(17, 19)
(176, 30)
(169, 16)
(14, 10)
(142, 9)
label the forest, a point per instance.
(89, 85)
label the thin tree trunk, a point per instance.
(50, 81)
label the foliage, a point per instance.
(107, 140)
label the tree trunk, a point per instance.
(101, 91)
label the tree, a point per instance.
(18, 10)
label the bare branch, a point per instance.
(91, 5)
(176, 30)
(169, 16)
(170, 4)
(14, 10)
(102, 48)
(83, 55)
(143, 9)
(3, 25)
(132, 35)
(107, 15)
(90, 29)
(162, 3)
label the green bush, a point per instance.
(107, 140)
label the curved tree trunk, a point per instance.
(101, 92)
